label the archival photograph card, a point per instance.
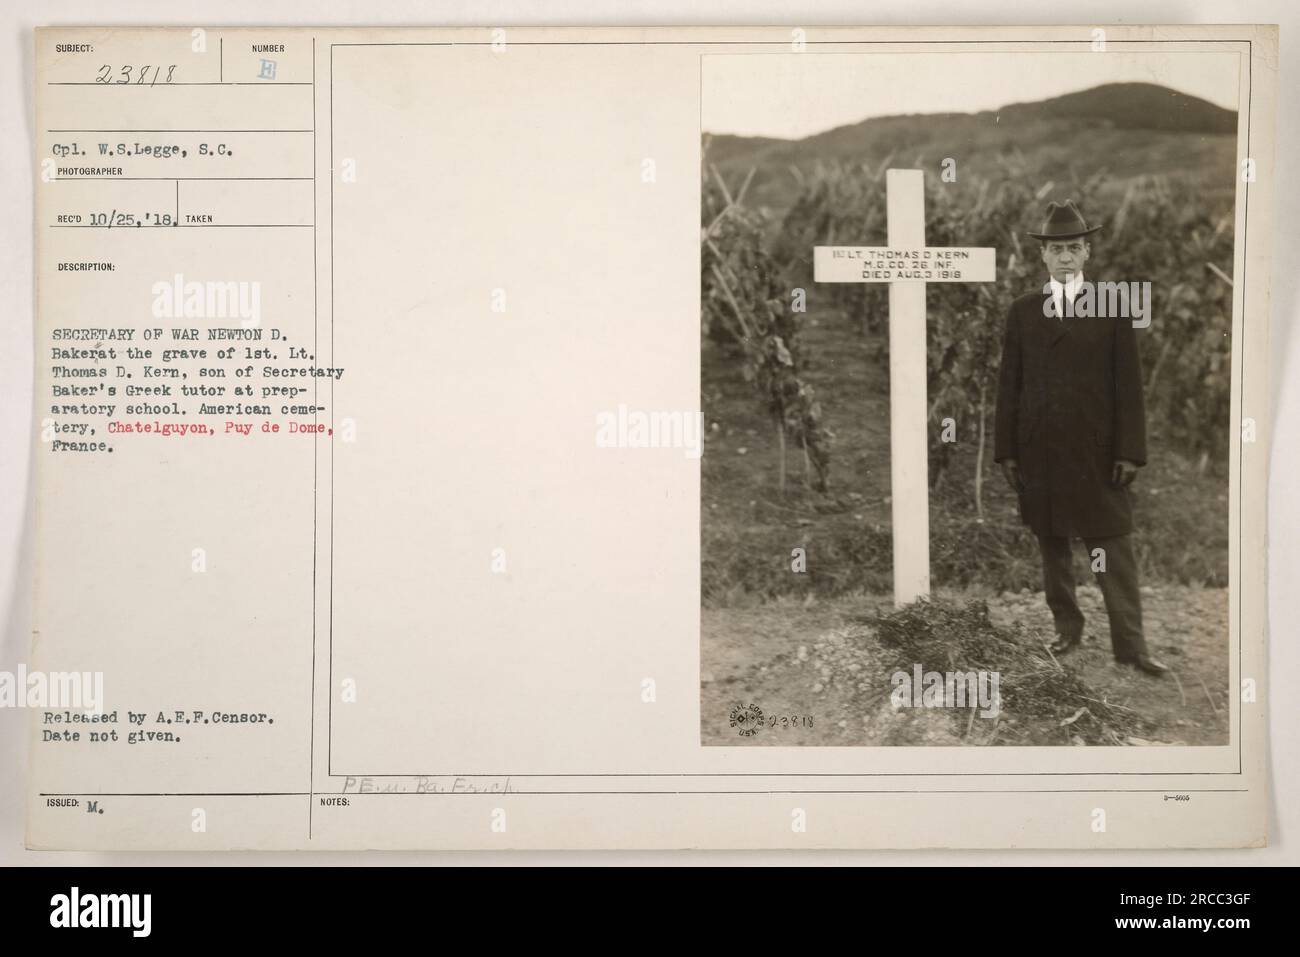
(651, 438)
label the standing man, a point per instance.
(1070, 436)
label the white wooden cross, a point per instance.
(907, 264)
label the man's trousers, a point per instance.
(1119, 587)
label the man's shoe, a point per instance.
(1065, 643)
(1150, 665)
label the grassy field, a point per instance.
(749, 528)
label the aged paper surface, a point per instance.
(347, 344)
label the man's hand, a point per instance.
(1123, 474)
(1011, 472)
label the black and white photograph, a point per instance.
(754, 443)
(967, 371)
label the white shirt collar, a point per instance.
(1071, 287)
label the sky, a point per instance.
(793, 95)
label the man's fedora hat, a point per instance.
(1063, 221)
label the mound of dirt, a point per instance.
(828, 673)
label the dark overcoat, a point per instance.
(1069, 404)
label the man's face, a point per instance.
(1065, 257)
